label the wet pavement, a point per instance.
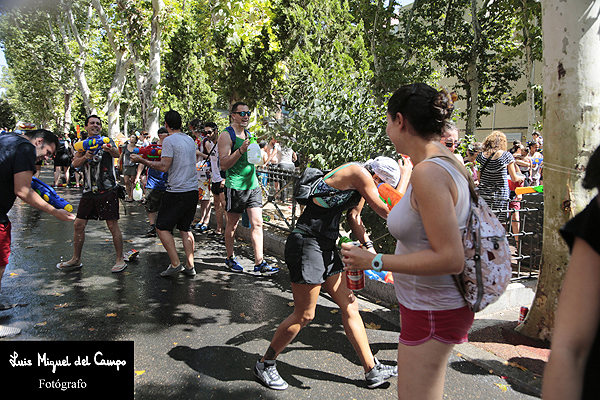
(195, 337)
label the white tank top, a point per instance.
(405, 224)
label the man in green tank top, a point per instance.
(242, 191)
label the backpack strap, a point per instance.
(233, 136)
(463, 171)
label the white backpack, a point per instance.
(487, 269)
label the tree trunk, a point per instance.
(472, 73)
(147, 81)
(67, 119)
(113, 100)
(120, 77)
(529, 70)
(152, 117)
(572, 132)
(79, 71)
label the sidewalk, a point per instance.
(493, 344)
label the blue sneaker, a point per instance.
(265, 269)
(233, 265)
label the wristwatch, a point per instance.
(377, 263)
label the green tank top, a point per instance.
(242, 176)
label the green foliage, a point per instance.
(7, 114)
(244, 57)
(185, 80)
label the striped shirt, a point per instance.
(493, 185)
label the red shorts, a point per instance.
(4, 243)
(447, 326)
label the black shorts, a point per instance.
(62, 160)
(177, 210)
(237, 201)
(153, 199)
(311, 260)
(103, 206)
(216, 188)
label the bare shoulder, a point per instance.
(429, 175)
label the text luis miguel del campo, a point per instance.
(69, 369)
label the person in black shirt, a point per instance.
(574, 365)
(18, 156)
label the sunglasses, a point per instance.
(451, 144)
(243, 113)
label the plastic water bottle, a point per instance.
(254, 155)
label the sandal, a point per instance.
(65, 266)
(118, 268)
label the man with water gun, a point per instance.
(100, 198)
(18, 156)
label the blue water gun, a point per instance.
(49, 195)
(92, 144)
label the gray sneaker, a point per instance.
(189, 271)
(267, 373)
(172, 271)
(378, 375)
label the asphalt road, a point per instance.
(195, 338)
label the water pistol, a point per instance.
(151, 152)
(92, 144)
(388, 194)
(530, 189)
(49, 195)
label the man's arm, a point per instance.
(227, 159)
(162, 165)
(24, 191)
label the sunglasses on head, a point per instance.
(243, 113)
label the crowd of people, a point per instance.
(426, 222)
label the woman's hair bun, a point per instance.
(442, 105)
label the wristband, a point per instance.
(377, 263)
(368, 244)
(240, 150)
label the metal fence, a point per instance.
(281, 212)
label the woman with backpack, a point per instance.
(314, 263)
(427, 223)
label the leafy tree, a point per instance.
(186, 82)
(401, 46)
(245, 55)
(7, 115)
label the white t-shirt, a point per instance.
(182, 173)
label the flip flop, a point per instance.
(118, 268)
(64, 266)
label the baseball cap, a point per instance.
(386, 168)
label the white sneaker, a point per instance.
(267, 373)
(7, 331)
